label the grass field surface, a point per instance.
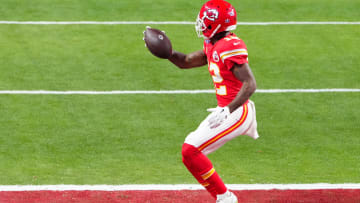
(136, 139)
(100, 57)
(117, 140)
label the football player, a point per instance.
(227, 58)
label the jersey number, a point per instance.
(215, 73)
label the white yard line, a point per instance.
(306, 90)
(315, 186)
(115, 92)
(171, 23)
(106, 92)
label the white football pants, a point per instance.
(240, 122)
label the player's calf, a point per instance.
(201, 168)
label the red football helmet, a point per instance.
(215, 16)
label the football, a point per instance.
(157, 43)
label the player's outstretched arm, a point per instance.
(243, 73)
(185, 61)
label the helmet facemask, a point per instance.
(200, 26)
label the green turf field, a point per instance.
(136, 139)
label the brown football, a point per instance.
(157, 43)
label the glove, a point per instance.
(218, 115)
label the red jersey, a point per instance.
(221, 58)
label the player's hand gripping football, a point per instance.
(157, 42)
(218, 116)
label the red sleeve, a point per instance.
(234, 51)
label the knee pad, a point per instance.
(196, 162)
(188, 151)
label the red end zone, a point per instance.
(180, 196)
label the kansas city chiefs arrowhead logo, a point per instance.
(211, 14)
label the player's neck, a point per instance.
(219, 36)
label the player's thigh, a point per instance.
(209, 139)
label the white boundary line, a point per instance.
(115, 92)
(314, 186)
(171, 23)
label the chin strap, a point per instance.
(214, 32)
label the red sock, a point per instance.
(201, 168)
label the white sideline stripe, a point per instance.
(171, 23)
(50, 92)
(314, 186)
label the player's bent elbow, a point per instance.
(251, 86)
(254, 86)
